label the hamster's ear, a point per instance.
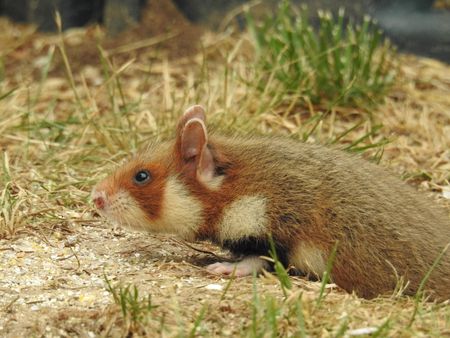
(196, 111)
(192, 143)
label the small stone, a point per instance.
(215, 287)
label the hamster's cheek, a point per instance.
(181, 212)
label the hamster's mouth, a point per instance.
(121, 210)
(111, 209)
(124, 221)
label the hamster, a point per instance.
(236, 191)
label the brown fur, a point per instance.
(148, 198)
(322, 196)
(319, 196)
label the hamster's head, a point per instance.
(132, 195)
(153, 190)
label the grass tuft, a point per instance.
(282, 274)
(337, 64)
(135, 310)
(419, 297)
(11, 201)
(327, 274)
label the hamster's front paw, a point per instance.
(243, 268)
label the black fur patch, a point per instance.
(257, 247)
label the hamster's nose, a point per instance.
(99, 202)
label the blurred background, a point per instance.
(417, 26)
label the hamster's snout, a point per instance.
(99, 198)
(99, 202)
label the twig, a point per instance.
(197, 249)
(8, 307)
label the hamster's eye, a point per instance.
(142, 177)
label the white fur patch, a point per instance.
(309, 259)
(215, 183)
(243, 218)
(181, 212)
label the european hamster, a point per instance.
(236, 191)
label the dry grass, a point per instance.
(63, 131)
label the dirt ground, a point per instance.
(54, 265)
